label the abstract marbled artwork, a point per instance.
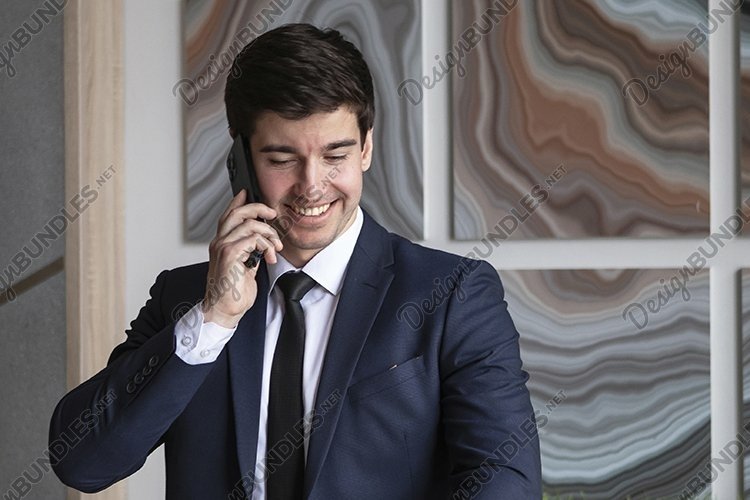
(630, 353)
(615, 91)
(387, 32)
(744, 95)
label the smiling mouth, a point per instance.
(312, 211)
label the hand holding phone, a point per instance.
(242, 176)
(231, 289)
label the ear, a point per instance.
(367, 152)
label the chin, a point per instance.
(310, 243)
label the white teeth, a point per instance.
(312, 211)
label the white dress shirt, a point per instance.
(198, 342)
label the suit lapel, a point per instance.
(365, 285)
(245, 354)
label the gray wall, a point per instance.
(32, 327)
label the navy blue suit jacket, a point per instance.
(422, 393)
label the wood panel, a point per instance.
(94, 248)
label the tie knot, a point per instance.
(294, 285)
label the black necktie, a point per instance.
(285, 451)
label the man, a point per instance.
(382, 370)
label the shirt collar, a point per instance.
(328, 266)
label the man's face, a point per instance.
(313, 164)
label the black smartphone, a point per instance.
(242, 176)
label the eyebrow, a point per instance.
(281, 148)
(340, 144)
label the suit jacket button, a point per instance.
(153, 361)
(130, 388)
(138, 378)
(146, 371)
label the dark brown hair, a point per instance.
(296, 70)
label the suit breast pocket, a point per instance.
(387, 380)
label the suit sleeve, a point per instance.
(487, 414)
(103, 430)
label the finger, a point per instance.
(244, 247)
(229, 250)
(269, 250)
(249, 227)
(254, 210)
(237, 201)
(270, 257)
(238, 215)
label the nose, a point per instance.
(308, 181)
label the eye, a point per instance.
(280, 163)
(337, 158)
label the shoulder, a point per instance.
(431, 266)
(189, 271)
(181, 282)
(417, 264)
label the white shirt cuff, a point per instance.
(198, 342)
